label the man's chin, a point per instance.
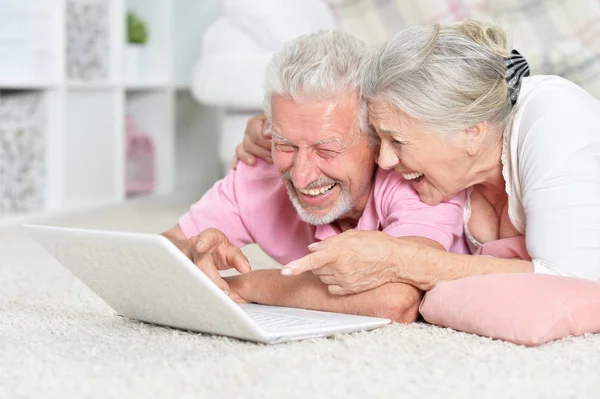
(318, 211)
(316, 218)
(315, 210)
(324, 213)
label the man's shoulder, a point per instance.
(262, 170)
(390, 191)
(390, 181)
(257, 178)
(257, 187)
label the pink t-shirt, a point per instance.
(251, 205)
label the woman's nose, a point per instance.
(387, 158)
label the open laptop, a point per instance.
(146, 277)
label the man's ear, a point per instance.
(474, 137)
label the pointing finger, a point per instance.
(311, 261)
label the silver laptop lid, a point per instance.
(145, 277)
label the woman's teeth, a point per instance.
(317, 191)
(411, 176)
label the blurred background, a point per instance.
(103, 101)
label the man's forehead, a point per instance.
(320, 123)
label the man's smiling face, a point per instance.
(324, 158)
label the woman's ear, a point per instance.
(475, 137)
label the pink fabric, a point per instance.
(505, 248)
(523, 308)
(251, 205)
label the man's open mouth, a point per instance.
(314, 192)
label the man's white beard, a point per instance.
(342, 206)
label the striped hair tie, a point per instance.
(516, 68)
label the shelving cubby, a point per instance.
(69, 56)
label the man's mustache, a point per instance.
(320, 182)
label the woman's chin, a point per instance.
(428, 194)
(430, 202)
(431, 199)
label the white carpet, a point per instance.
(58, 340)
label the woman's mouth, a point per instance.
(414, 176)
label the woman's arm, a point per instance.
(356, 261)
(424, 267)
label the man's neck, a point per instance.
(342, 225)
(350, 220)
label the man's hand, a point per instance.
(256, 143)
(211, 251)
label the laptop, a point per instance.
(147, 278)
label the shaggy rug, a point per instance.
(59, 340)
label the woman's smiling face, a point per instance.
(436, 167)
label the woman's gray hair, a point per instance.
(448, 77)
(318, 66)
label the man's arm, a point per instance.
(396, 301)
(176, 236)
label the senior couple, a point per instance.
(373, 175)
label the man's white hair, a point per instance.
(318, 66)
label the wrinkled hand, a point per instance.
(351, 262)
(239, 285)
(211, 251)
(256, 143)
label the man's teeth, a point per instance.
(317, 191)
(411, 176)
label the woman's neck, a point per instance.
(488, 166)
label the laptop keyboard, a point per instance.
(273, 322)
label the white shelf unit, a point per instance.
(86, 102)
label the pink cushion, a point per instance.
(524, 308)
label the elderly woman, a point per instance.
(455, 109)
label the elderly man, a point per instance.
(323, 181)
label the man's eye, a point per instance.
(327, 153)
(397, 143)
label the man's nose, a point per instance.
(387, 157)
(304, 170)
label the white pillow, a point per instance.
(271, 23)
(231, 80)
